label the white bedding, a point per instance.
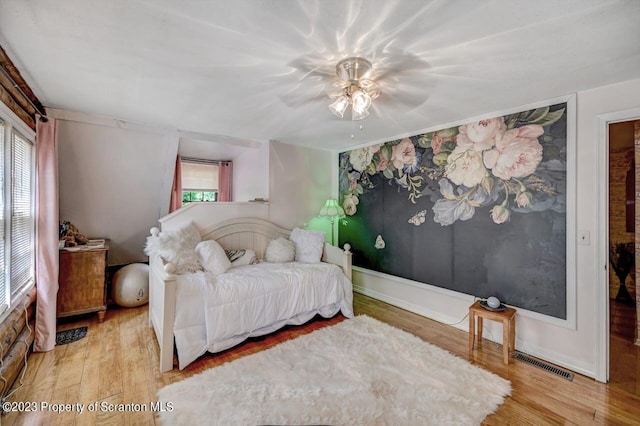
(216, 312)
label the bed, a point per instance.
(200, 312)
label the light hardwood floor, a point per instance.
(117, 362)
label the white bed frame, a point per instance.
(240, 233)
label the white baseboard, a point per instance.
(411, 303)
(416, 309)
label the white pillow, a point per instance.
(280, 250)
(309, 245)
(177, 247)
(212, 257)
(242, 257)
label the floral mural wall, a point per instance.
(477, 208)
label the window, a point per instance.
(199, 180)
(22, 253)
(17, 171)
(3, 292)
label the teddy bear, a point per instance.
(71, 235)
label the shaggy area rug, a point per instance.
(358, 372)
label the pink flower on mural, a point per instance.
(404, 154)
(523, 199)
(500, 214)
(382, 165)
(437, 141)
(481, 135)
(517, 154)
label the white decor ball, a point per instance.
(131, 285)
(493, 302)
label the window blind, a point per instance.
(199, 177)
(22, 224)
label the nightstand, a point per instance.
(82, 282)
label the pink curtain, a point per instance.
(225, 175)
(176, 190)
(46, 234)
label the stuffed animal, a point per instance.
(71, 235)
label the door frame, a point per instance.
(602, 290)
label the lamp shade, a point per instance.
(355, 115)
(361, 101)
(331, 208)
(339, 106)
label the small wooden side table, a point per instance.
(82, 281)
(508, 318)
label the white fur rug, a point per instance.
(358, 372)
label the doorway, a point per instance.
(624, 357)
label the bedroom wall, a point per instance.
(250, 164)
(115, 182)
(116, 176)
(574, 349)
(300, 181)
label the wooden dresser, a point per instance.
(82, 282)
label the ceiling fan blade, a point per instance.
(405, 96)
(301, 98)
(307, 67)
(398, 65)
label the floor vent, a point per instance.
(543, 365)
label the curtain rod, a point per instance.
(43, 115)
(203, 160)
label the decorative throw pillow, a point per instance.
(212, 257)
(280, 250)
(242, 257)
(309, 245)
(177, 247)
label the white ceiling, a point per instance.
(262, 70)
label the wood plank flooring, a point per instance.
(624, 354)
(117, 363)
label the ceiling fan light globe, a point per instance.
(355, 115)
(361, 101)
(339, 106)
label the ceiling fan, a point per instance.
(357, 89)
(399, 79)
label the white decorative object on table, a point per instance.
(493, 302)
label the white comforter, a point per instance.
(216, 312)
